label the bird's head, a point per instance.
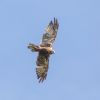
(52, 52)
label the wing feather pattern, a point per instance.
(50, 33)
(42, 65)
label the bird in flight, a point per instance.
(45, 49)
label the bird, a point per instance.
(45, 49)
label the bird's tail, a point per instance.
(33, 47)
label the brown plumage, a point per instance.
(45, 50)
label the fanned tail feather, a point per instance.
(33, 47)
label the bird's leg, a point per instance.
(33, 47)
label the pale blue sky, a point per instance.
(74, 72)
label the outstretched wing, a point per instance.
(50, 33)
(42, 65)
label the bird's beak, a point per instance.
(53, 52)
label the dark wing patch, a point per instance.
(50, 33)
(42, 65)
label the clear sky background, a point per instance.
(74, 71)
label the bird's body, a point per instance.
(45, 50)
